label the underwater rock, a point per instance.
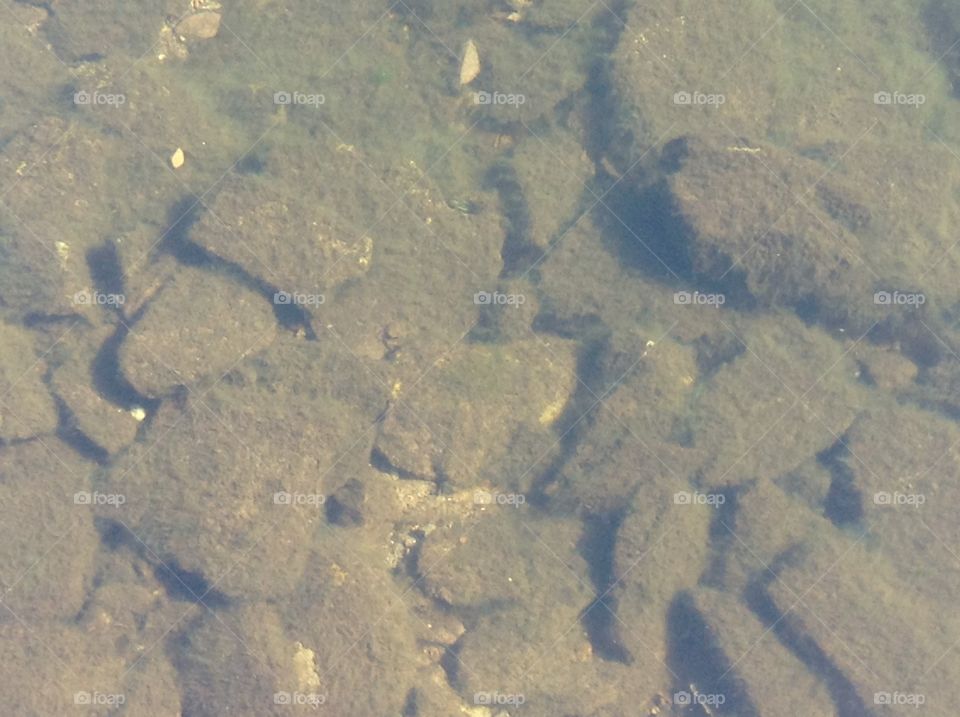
(887, 369)
(503, 558)
(763, 673)
(470, 64)
(57, 208)
(107, 425)
(26, 408)
(661, 548)
(47, 536)
(865, 629)
(231, 485)
(54, 669)
(199, 25)
(738, 206)
(165, 349)
(904, 466)
(554, 173)
(287, 233)
(464, 413)
(788, 397)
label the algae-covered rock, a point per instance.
(553, 172)
(72, 380)
(764, 677)
(523, 649)
(232, 484)
(882, 645)
(53, 669)
(26, 407)
(337, 645)
(761, 70)
(47, 534)
(103, 29)
(888, 370)
(464, 413)
(850, 250)
(662, 548)
(56, 209)
(789, 396)
(290, 228)
(200, 324)
(243, 662)
(504, 558)
(904, 466)
(637, 432)
(786, 253)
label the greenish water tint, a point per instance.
(617, 373)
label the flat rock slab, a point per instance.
(765, 677)
(26, 407)
(232, 484)
(47, 535)
(198, 324)
(462, 416)
(874, 634)
(905, 468)
(790, 395)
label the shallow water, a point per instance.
(612, 371)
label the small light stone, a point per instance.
(177, 158)
(138, 413)
(199, 26)
(470, 66)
